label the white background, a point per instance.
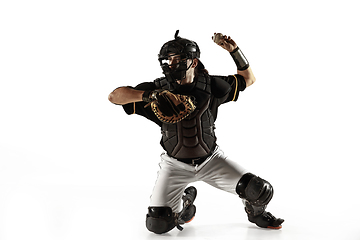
(75, 166)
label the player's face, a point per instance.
(174, 60)
(177, 63)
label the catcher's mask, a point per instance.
(183, 49)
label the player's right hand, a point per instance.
(226, 42)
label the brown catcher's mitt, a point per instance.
(170, 107)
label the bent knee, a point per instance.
(255, 189)
(160, 220)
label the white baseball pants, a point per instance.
(174, 176)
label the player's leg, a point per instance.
(162, 219)
(165, 204)
(222, 173)
(257, 194)
(227, 175)
(187, 214)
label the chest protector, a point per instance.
(193, 137)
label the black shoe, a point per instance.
(266, 220)
(189, 209)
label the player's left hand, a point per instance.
(169, 107)
(226, 42)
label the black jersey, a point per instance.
(193, 137)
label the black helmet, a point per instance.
(180, 46)
(186, 49)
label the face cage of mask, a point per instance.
(175, 72)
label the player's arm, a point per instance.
(243, 67)
(248, 76)
(125, 95)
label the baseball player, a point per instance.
(184, 105)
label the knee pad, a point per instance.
(160, 220)
(255, 190)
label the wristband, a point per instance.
(146, 96)
(239, 59)
(150, 95)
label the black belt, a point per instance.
(196, 161)
(193, 161)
